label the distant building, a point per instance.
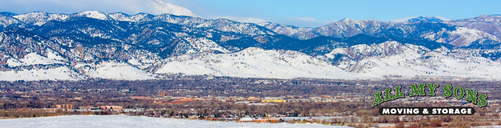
(246, 119)
(141, 98)
(89, 109)
(65, 106)
(111, 108)
(162, 94)
(273, 101)
(253, 98)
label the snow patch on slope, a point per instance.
(256, 62)
(437, 63)
(94, 14)
(40, 18)
(461, 36)
(114, 70)
(204, 44)
(6, 21)
(34, 59)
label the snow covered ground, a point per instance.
(59, 73)
(123, 121)
(115, 70)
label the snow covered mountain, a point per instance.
(95, 44)
(426, 19)
(483, 30)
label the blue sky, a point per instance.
(302, 13)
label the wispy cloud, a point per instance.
(303, 21)
(160, 7)
(309, 19)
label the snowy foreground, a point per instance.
(123, 121)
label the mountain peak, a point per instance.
(346, 20)
(426, 19)
(343, 21)
(8, 13)
(489, 18)
(483, 18)
(94, 14)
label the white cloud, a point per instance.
(303, 22)
(302, 19)
(160, 7)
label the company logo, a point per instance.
(419, 90)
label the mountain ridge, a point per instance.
(95, 44)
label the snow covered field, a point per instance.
(123, 121)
